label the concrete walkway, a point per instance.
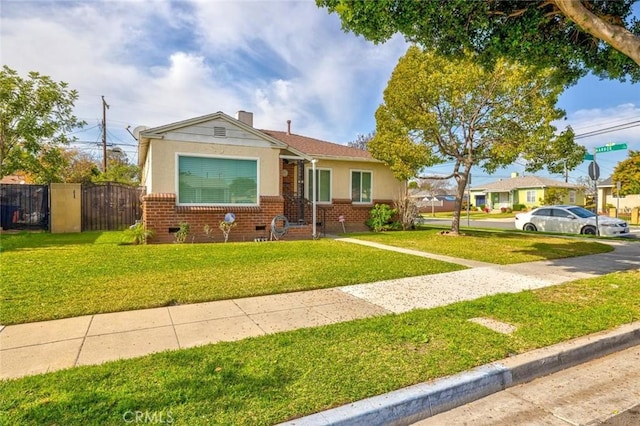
(35, 348)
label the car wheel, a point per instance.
(589, 230)
(529, 227)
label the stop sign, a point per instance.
(594, 170)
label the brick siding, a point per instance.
(163, 217)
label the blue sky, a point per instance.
(158, 62)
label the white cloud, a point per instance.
(159, 62)
(586, 121)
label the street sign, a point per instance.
(588, 157)
(594, 170)
(611, 147)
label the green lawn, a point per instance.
(488, 246)
(49, 276)
(269, 379)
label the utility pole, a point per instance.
(105, 107)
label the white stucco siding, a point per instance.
(163, 175)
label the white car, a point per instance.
(569, 220)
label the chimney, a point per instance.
(514, 175)
(288, 127)
(245, 117)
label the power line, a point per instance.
(623, 126)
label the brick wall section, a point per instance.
(355, 215)
(163, 216)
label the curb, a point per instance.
(411, 404)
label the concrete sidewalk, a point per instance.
(35, 348)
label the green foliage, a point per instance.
(554, 195)
(138, 234)
(519, 207)
(35, 115)
(437, 109)
(381, 218)
(182, 233)
(627, 172)
(534, 32)
(119, 169)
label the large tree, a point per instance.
(438, 109)
(574, 36)
(119, 169)
(36, 115)
(627, 172)
(361, 141)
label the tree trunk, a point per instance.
(462, 180)
(616, 36)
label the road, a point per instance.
(603, 391)
(497, 224)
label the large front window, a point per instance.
(323, 185)
(531, 196)
(223, 181)
(360, 186)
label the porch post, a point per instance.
(313, 199)
(300, 197)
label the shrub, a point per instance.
(138, 233)
(519, 207)
(380, 218)
(182, 233)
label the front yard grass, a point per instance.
(270, 379)
(488, 246)
(49, 276)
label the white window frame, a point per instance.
(351, 171)
(572, 196)
(309, 183)
(223, 157)
(529, 192)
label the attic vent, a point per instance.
(220, 132)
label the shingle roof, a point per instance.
(317, 147)
(520, 182)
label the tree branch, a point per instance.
(618, 37)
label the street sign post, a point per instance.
(594, 170)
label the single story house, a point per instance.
(606, 197)
(198, 170)
(525, 190)
(427, 203)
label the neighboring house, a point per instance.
(198, 170)
(428, 203)
(525, 190)
(606, 197)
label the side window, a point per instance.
(543, 212)
(323, 182)
(360, 186)
(560, 213)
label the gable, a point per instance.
(218, 129)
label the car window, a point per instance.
(581, 212)
(542, 212)
(560, 213)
